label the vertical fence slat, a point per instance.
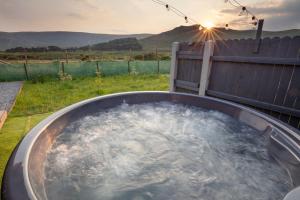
(293, 91)
(273, 75)
(285, 78)
(206, 67)
(174, 62)
(274, 84)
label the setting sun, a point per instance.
(208, 24)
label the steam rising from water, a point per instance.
(162, 151)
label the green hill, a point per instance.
(60, 39)
(116, 45)
(148, 41)
(165, 39)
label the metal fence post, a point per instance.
(174, 62)
(206, 66)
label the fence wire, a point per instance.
(18, 72)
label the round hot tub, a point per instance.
(155, 145)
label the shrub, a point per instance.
(64, 76)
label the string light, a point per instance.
(244, 11)
(178, 13)
(226, 26)
(168, 8)
(234, 3)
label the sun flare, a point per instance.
(208, 24)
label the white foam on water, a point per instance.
(162, 151)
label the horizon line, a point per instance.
(143, 33)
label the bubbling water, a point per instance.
(162, 151)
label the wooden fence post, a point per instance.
(63, 67)
(174, 62)
(128, 66)
(67, 56)
(206, 66)
(258, 35)
(26, 72)
(129, 62)
(157, 59)
(98, 69)
(3, 116)
(26, 57)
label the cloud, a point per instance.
(75, 15)
(137, 16)
(278, 14)
(90, 4)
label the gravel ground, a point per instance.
(8, 94)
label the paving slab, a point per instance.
(8, 94)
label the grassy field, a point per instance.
(40, 57)
(38, 100)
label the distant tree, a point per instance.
(147, 56)
(138, 57)
(85, 48)
(124, 44)
(34, 49)
(54, 48)
(17, 49)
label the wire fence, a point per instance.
(18, 72)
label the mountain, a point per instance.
(148, 41)
(123, 44)
(165, 39)
(192, 33)
(60, 39)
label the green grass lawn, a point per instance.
(38, 100)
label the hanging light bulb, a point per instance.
(178, 12)
(167, 7)
(186, 19)
(254, 23)
(226, 27)
(243, 11)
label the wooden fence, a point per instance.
(268, 80)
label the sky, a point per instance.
(139, 16)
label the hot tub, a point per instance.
(25, 172)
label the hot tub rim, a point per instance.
(31, 137)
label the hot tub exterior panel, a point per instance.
(13, 180)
